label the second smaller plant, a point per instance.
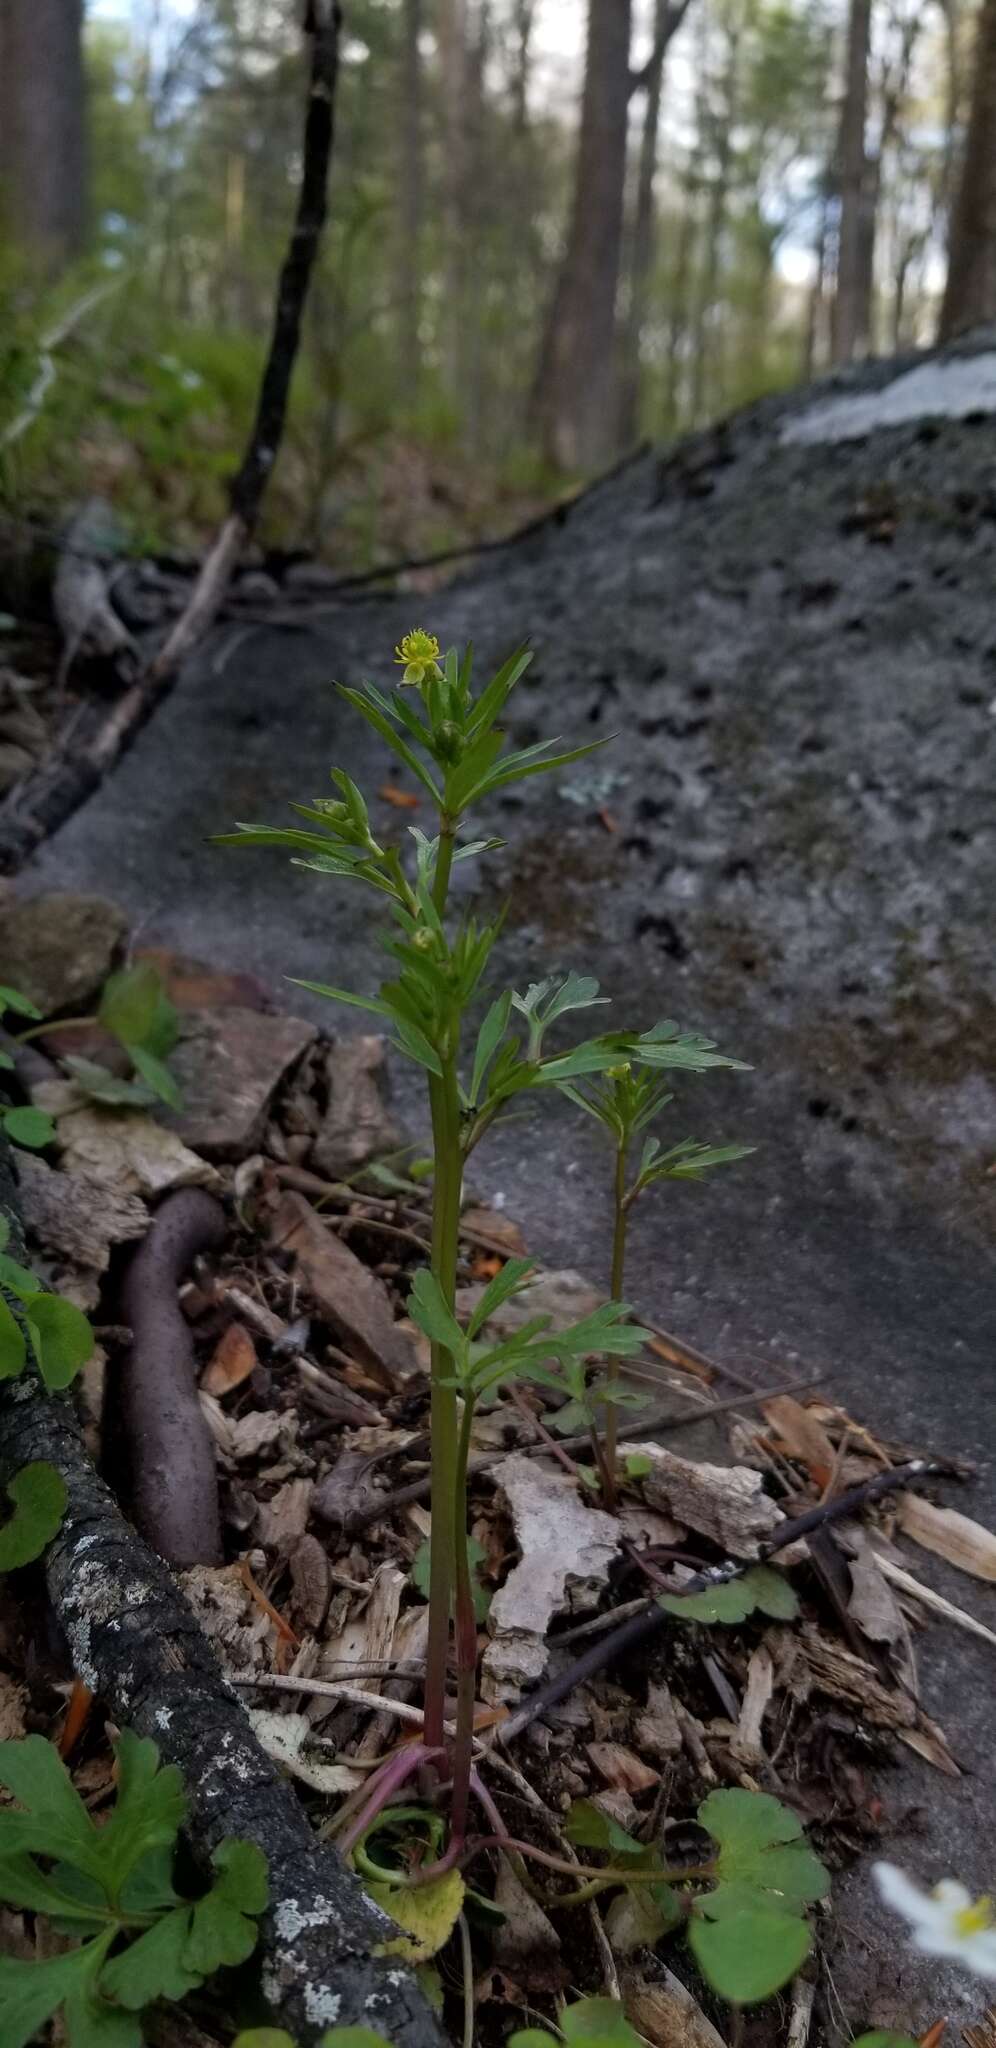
(624, 1100)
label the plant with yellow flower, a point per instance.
(451, 739)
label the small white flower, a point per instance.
(946, 1921)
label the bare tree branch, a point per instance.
(322, 23)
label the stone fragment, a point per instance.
(193, 984)
(77, 1216)
(346, 1293)
(358, 1124)
(60, 948)
(228, 1064)
(121, 1148)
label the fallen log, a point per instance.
(136, 1644)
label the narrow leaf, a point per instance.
(489, 1037)
(157, 1075)
(344, 995)
(12, 999)
(389, 733)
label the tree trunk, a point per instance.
(410, 219)
(849, 326)
(815, 303)
(970, 294)
(707, 349)
(643, 239)
(451, 39)
(951, 10)
(572, 398)
(42, 135)
(524, 17)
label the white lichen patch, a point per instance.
(291, 1919)
(321, 2005)
(78, 1632)
(163, 1717)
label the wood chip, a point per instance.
(282, 1521)
(746, 1743)
(872, 1603)
(232, 1361)
(284, 1737)
(665, 2012)
(368, 1635)
(955, 1537)
(350, 1297)
(798, 1433)
(844, 1676)
(260, 1430)
(935, 1601)
(13, 1701)
(620, 1769)
(930, 1742)
(311, 1583)
(726, 1503)
(657, 1730)
(567, 1548)
(525, 1932)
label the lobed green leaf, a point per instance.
(38, 1493)
(32, 1128)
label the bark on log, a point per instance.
(136, 1644)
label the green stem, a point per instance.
(444, 1098)
(466, 1637)
(618, 1271)
(60, 1024)
(444, 862)
(445, 1102)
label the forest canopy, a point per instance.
(553, 229)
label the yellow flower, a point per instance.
(418, 655)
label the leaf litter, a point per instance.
(317, 1400)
